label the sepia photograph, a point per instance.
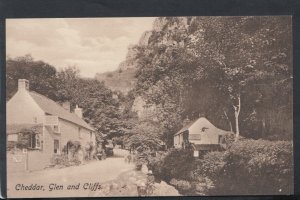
(149, 106)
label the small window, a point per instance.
(56, 146)
(221, 139)
(35, 142)
(56, 128)
(35, 119)
(79, 132)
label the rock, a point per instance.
(163, 189)
(144, 169)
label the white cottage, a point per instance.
(48, 125)
(201, 134)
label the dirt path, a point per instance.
(75, 181)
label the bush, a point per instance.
(60, 160)
(256, 167)
(181, 185)
(248, 167)
(177, 163)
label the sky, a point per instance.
(93, 45)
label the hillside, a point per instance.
(123, 79)
(119, 80)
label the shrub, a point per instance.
(256, 167)
(177, 163)
(138, 166)
(181, 185)
(248, 167)
(60, 160)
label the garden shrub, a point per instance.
(247, 167)
(60, 160)
(176, 163)
(256, 167)
(182, 185)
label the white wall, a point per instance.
(22, 109)
(209, 136)
(69, 131)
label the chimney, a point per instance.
(201, 115)
(78, 111)
(66, 105)
(23, 84)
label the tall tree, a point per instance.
(42, 76)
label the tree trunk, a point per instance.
(229, 122)
(237, 110)
(263, 131)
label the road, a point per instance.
(74, 181)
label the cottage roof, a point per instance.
(51, 107)
(186, 127)
(204, 122)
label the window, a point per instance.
(56, 128)
(195, 136)
(221, 139)
(56, 147)
(34, 141)
(35, 119)
(79, 132)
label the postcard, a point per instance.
(149, 106)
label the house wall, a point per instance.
(69, 131)
(39, 159)
(22, 109)
(209, 136)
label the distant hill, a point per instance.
(119, 80)
(123, 78)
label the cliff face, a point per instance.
(123, 79)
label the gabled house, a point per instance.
(201, 135)
(47, 125)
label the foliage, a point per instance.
(214, 66)
(42, 76)
(257, 163)
(181, 184)
(145, 136)
(176, 163)
(247, 167)
(61, 160)
(100, 109)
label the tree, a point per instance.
(41, 75)
(208, 65)
(145, 136)
(100, 109)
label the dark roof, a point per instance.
(51, 107)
